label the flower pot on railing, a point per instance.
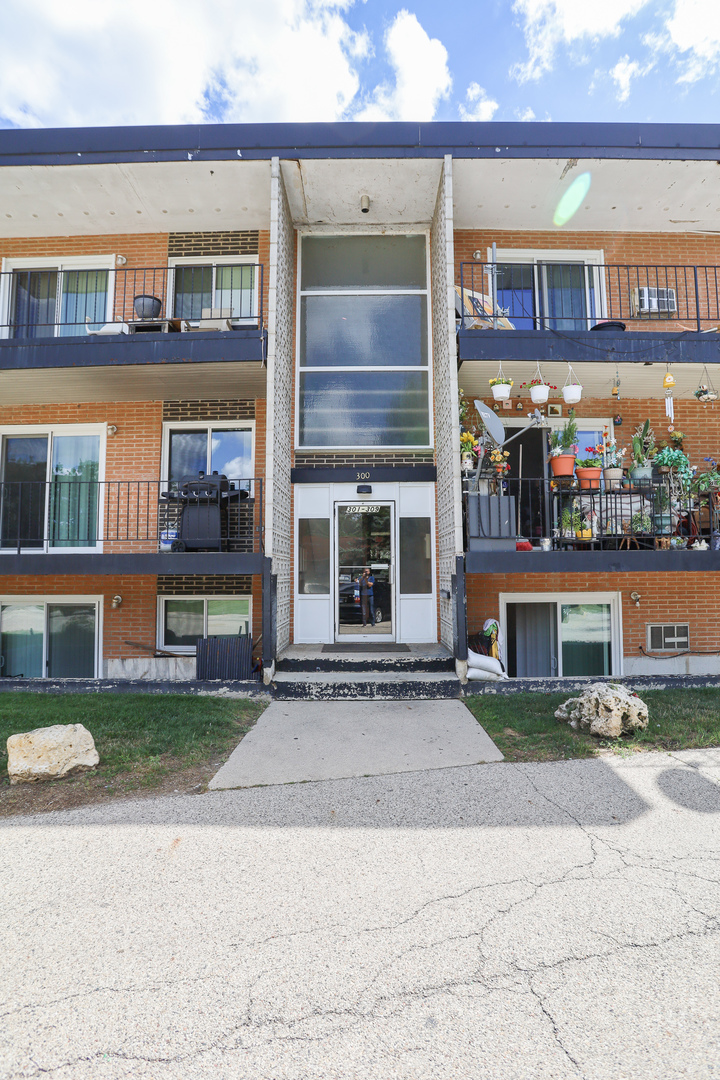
(613, 479)
(663, 523)
(502, 391)
(589, 478)
(539, 393)
(641, 474)
(562, 464)
(583, 534)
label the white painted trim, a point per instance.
(452, 333)
(214, 260)
(190, 650)
(275, 193)
(614, 599)
(209, 425)
(75, 262)
(64, 429)
(63, 598)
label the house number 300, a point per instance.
(363, 475)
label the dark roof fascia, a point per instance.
(217, 142)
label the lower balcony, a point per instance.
(200, 525)
(546, 526)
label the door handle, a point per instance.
(391, 574)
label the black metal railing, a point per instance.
(70, 514)
(68, 303)
(577, 296)
(559, 514)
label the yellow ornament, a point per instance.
(668, 381)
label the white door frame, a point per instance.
(392, 636)
(614, 599)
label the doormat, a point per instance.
(365, 647)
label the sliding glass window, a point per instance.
(364, 366)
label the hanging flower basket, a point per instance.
(502, 391)
(572, 390)
(539, 393)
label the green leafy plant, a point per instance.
(641, 523)
(676, 460)
(643, 445)
(501, 380)
(564, 439)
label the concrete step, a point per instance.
(377, 663)
(365, 685)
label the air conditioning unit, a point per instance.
(653, 301)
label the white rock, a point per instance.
(606, 709)
(50, 752)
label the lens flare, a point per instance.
(572, 200)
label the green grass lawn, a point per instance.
(141, 738)
(524, 726)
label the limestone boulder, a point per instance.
(50, 752)
(606, 710)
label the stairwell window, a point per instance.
(364, 363)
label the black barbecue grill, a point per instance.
(203, 511)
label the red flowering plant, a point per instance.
(538, 381)
(594, 462)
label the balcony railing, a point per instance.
(558, 514)
(68, 303)
(577, 296)
(131, 516)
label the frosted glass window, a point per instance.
(415, 561)
(363, 262)
(356, 331)
(358, 408)
(314, 555)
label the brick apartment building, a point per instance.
(281, 305)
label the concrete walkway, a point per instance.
(294, 741)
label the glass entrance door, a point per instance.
(365, 557)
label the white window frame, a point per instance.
(426, 292)
(666, 648)
(614, 599)
(48, 598)
(52, 430)
(587, 257)
(209, 425)
(190, 650)
(215, 261)
(74, 262)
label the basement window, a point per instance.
(670, 637)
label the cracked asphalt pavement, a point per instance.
(493, 921)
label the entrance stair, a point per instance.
(356, 673)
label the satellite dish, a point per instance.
(492, 424)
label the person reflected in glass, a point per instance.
(367, 598)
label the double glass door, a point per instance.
(365, 543)
(49, 491)
(57, 640)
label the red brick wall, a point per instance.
(664, 598)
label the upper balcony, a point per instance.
(84, 315)
(582, 311)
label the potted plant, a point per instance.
(563, 447)
(705, 393)
(539, 389)
(643, 449)
(501, 387)
(675, 461)
(572, 390)
(589, 469)
(613, 463)
(583, 527)
(498, 459)
(641, 523)
(571, 522)
(468, 449)
(662, 514)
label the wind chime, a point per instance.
(668, 385)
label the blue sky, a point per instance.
(81, 62)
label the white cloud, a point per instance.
(694, 31)
(176, 61)
(550, 23)
(422, 77)
(480, 106)
(624, 72)
(525, 114)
